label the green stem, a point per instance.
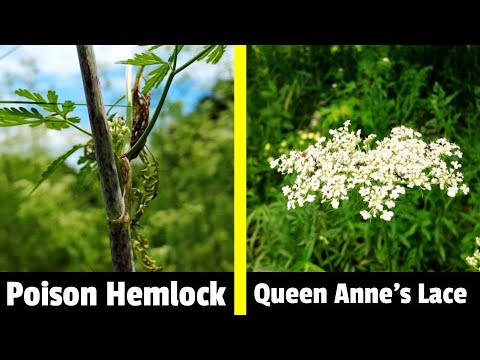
(195, 58)
(129, 112)
(71, 124)
(114, 104)
(387, 247)
(78, 128)
(143, 139)
(139, 75)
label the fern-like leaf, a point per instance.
(154, 47)
(56, 119)
(42, 102)
(155, 78)
(214, 54)
(29, 95)
(20, 116)
(54, 166)
(89, 168)
(145, 59)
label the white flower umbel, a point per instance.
(331, 168)
(474, 261)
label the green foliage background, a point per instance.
(296, 93)
(62, 226)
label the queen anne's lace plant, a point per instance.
(474, 260)
(331, 168)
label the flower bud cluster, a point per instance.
(474, 260)
(118, 129)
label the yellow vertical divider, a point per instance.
(240, 179)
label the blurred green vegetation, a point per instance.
(62, 226)
(296, 93)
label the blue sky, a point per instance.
(56, 67)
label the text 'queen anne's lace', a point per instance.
(331, 168)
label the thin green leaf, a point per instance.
(156, 77)
(145, 59)
(67, 107)
(214, 54)
(450, 226)
(29, 95)
(180, 48)
(74, 119)
(205, 54)
(152, 47)
(52, 98)
(82, 160)
(155, 47)
(19, 116)
(54, 123)
(36, 124)
(37, 113)
(55, 165)
(56, 119)
(20, 112)
(89, 168)
(115, 103)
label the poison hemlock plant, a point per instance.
(114, 141)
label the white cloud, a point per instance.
(24, 138)
(61, 62)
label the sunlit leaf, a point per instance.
(19, 116)
(29, 95)
(146, 58)
(68, 106)
(156, 77)
(214, 54)
(55, 119)
(154, 47)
